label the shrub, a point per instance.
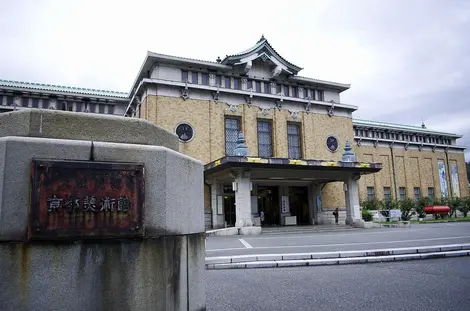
(454, 204)
(373, 204)
(464, 207)
(407, 207)
(420, 204)
(366, 215)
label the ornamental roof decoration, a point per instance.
(60, 88)
(264, 51)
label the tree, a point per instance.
(464, 207)
(407, 207)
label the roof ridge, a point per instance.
(65, 87)
(417, 127)
(187, 58)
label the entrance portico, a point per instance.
(246, 174)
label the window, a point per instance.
(402, 191)
(267, 88)
(417, 193)
(35, 102)
(293, 141)
(249, 85)
(78, 108)
(236, 84)
(295, 91)
(258, 86)
(24, 101)
(306, 93)
(184, 75)
(265, 139)
(204, 78)
(218, 80)
(232, 128)
(320, 95)
(431, 193)
(194, 77)
(1, 99)
(370, 193)
(286, 90)
(92, 107)
(227, 82)
(278, 88)
(101, 108)
(387, 196)
(10, 100)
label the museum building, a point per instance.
(271, 140)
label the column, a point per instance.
(243, 200)
(353, 213)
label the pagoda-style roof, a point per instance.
(264, 51)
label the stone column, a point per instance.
(217, 220)
(243, 200)
(353, 213)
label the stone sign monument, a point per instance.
(94, 216)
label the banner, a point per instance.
(442, 178)
(454, 179)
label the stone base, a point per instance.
(164, 273)
(359, 223)
(250, 230)
(222, 232)
(326, 217)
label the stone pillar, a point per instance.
(217, 220)
(243, 200)
(353, 213)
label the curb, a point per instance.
(336, 258)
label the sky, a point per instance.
(408, 61)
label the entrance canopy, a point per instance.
(279, 169)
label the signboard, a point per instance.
(285, 204)
(442, 178)
(85, 199)
(454, 179)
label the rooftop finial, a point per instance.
(348, 155)
(422, 123)
(241, 149)
(262, 38)
(218, 59)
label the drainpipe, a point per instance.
(394, 178)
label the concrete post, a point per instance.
(217, 220)
(243, 200)
(353, 213)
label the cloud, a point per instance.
(406, 60)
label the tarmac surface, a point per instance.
(434, 284)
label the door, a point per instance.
(298, 203)
(268, 202)
(229, 210)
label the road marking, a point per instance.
(326, 245)
(245, 243)
(319, 234)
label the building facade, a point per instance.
(273, 142)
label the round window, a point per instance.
(185, 132)
(332, 143)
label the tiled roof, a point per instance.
(398, 126)
(184, 58)
(260, 42)
(61, 88)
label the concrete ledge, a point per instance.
(47, 123)
(250, 230)
(222, 232)
(336, 261)
(348, 256)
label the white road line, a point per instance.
(245, 243)
(296, 235)
(327, 245)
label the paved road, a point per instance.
(360, 239)
(435, 284)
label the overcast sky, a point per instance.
(406, 60)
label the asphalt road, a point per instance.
(434, 284)
(359, 239)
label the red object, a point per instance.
(440, 209)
